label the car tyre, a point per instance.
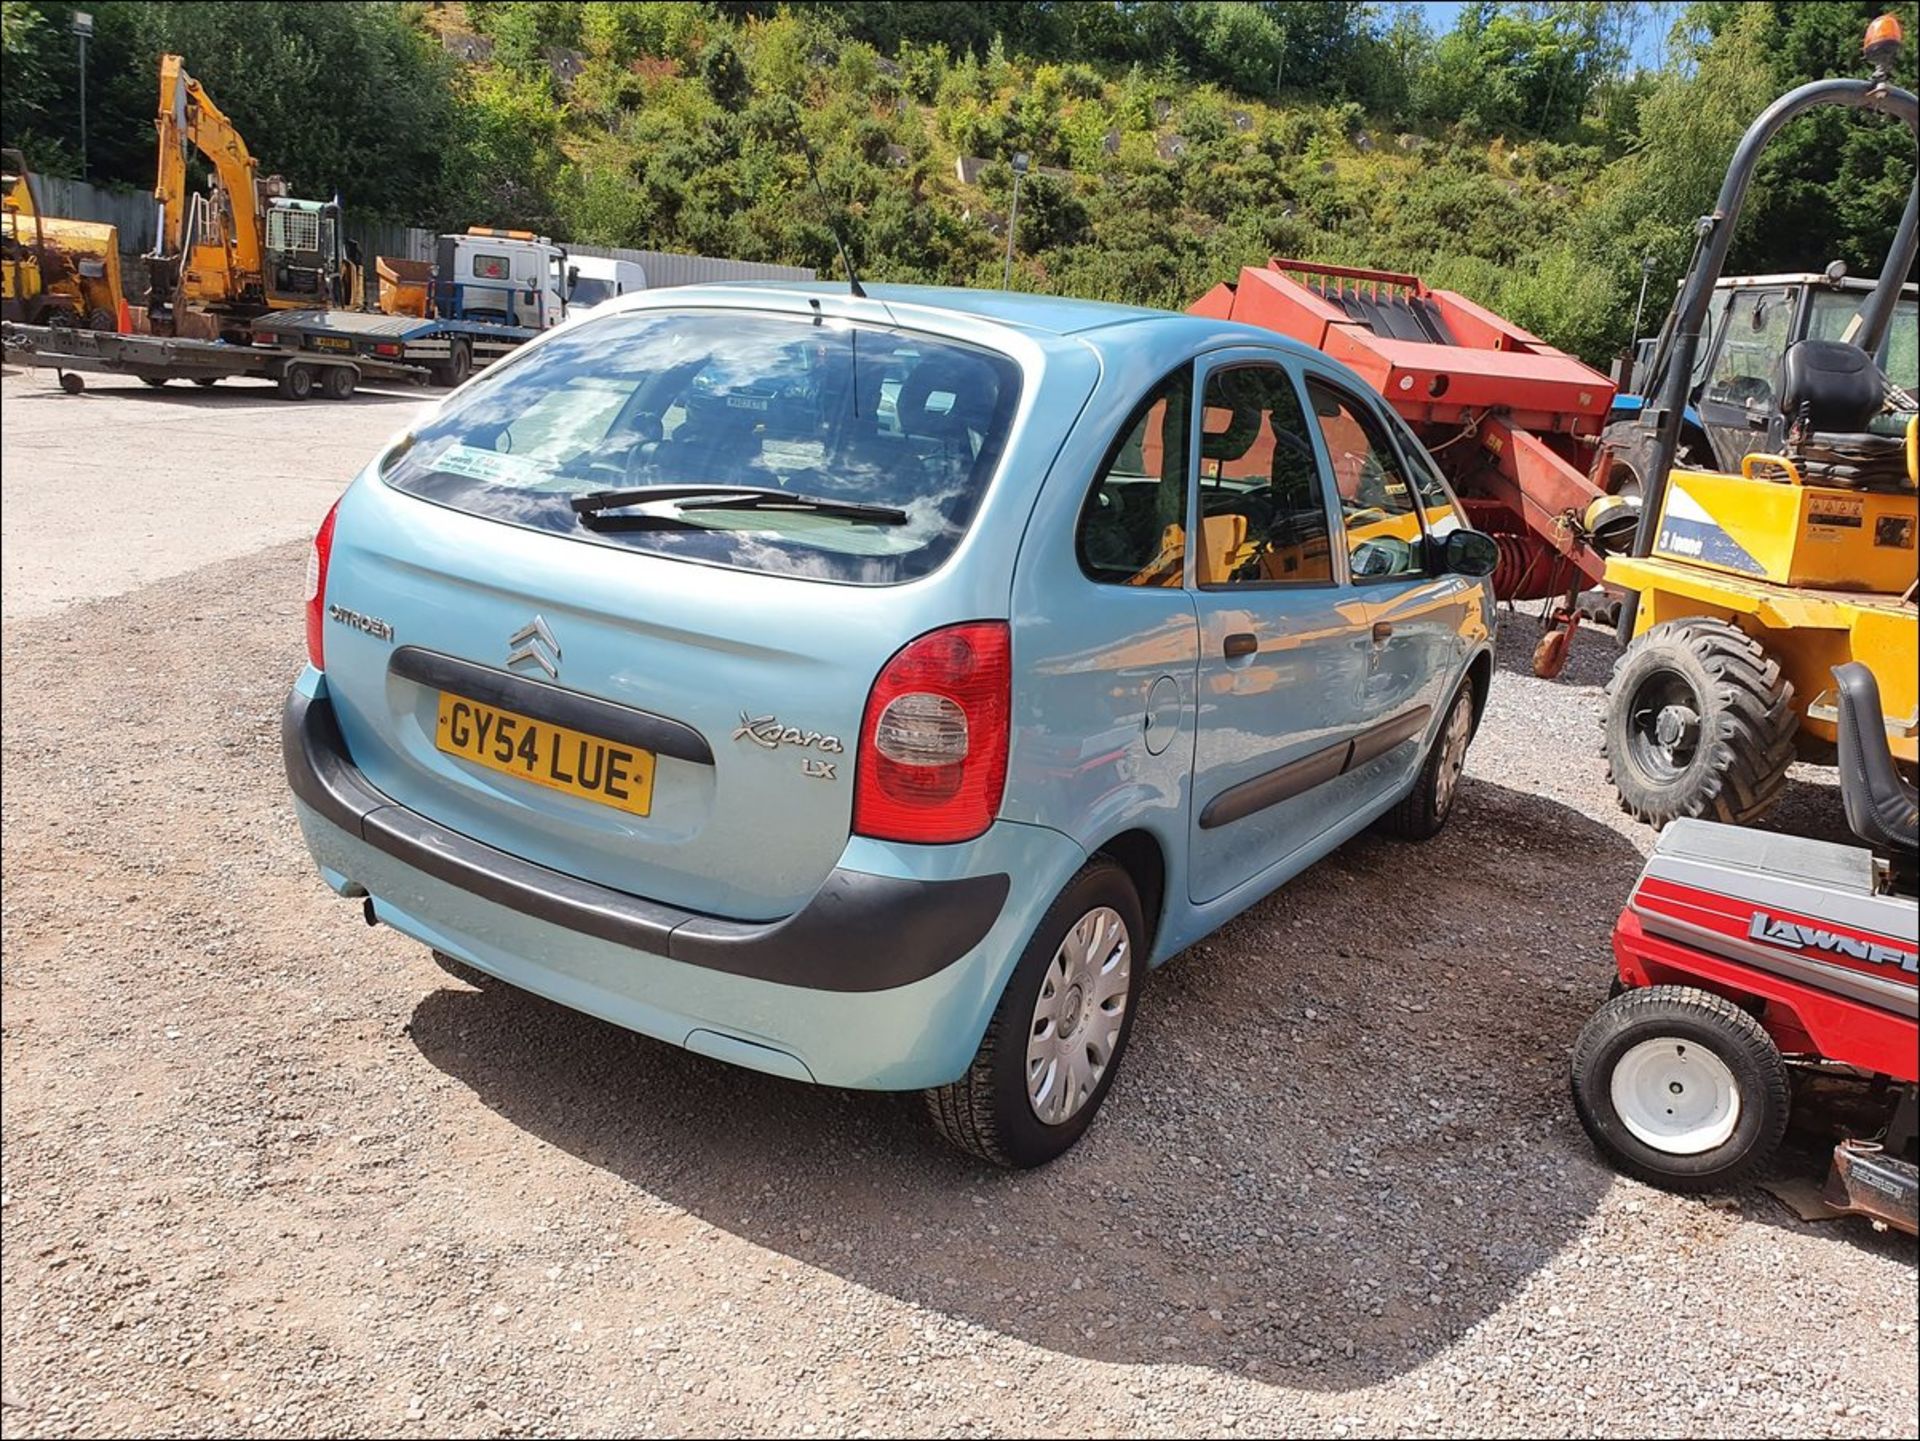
(1425, 810)
(992, 1111)
(1680, 1088)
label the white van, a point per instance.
(594, 280)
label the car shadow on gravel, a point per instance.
(1341, 1138)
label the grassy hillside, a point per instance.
(1520, 157)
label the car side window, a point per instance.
(1378, 503)
(1131, 530)
(1263, 508)
(1437, 502)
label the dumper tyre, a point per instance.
(337, 381)
(1680, 1088)
(296, 382)
(1698, 723)
(102, 320)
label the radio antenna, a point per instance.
(853, 279)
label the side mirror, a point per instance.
(573, 278)
(1469, 552)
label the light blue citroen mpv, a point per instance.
(869, 690)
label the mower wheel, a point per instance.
(1680, 1088)
(1699, 722)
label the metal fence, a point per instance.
(133, 212)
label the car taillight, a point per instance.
(317, 559)
(933, 744)
(386, 347)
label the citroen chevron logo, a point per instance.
(535, 642)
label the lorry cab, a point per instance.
(510, 277)
(593, 280)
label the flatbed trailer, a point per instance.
(1515, 424)
(450, 350)
(157, 359)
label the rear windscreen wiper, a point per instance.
(614, 499)
(811, 504)
(736, 497)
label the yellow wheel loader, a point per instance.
(1754, 573)
(53, 271)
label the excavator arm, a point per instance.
(188, 120)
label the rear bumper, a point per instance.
(885, 979)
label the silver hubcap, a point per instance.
(1076, 1020)
(1453, 753)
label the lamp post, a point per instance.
(1013, 218)
(83, 31)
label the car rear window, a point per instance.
(852, 415)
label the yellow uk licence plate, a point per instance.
(331, 342)
(548, 755)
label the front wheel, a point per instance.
(1425, 810)
(1057, 1036)
(1680, 1088)
(1699, 723)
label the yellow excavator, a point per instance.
(53, 271)
(242, 247)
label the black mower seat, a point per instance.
(1881, 807)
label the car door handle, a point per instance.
(1381, 630)
(1241, 642)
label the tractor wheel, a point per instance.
(1680, 1088)
(102, 320)
(1629, 450)
(1698, 723)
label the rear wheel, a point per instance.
(337, 382)
(1057, 1036)
(1425, 810)
(1680, 1088)
(206, 382)
(296, 382)
(1698, 723)
(156, 381)
(457, 367)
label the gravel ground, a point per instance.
(268, 1171)
(79, 475)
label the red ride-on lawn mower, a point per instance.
(1740, 952)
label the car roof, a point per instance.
(1098, 323)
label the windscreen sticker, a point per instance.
(492, 465)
